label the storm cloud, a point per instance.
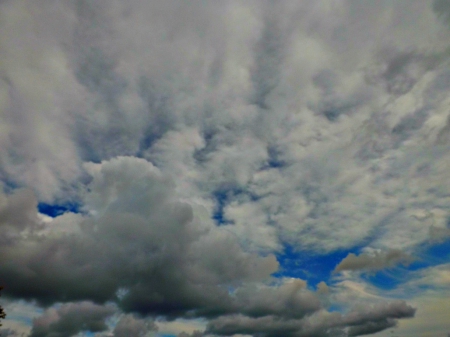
(71, 318)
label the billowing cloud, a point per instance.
(276, 112)
(180, 262)
(17, 213)
(200, 142)
(71, 318)
(130, 326)
(374, 261)
(360, 321)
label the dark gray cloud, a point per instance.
(17, 213)
(371, 327)
(376, 261)
(442, 10)
(143, 240)
(180, 266)
(7, 332)
(360, 321)
(70, 319)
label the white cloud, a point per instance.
(320, 124)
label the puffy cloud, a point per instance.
(130, 326)
(375, 261)
(182, 265)
(17, 213)
(322, 288)
(180, 262)
(276, 105)
(71, 318)
(322, 125)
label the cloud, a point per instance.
(182, 264)
(7, 332)
(322, 288)
(371, 327)
(17, 213)
(199, 140)
(359, 321)
(273, 84)
(71, 318)
(442, 10)
(401, 70)
(180, 261)
(439, 234)
(376, 261)
(130, 326)
(193, 334)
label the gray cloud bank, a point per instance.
(358, 322)
(141, 248)
(70, 319)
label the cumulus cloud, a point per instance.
(180, 262)
(198, 140)
(130, 326)
(276, 111)
(371, 319)
(375, 261)
(17, 213)
(71, 318)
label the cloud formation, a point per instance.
(360, 321)
(180, 262)
(70, 319)
(375, 261)
(199, 141)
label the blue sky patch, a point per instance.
(387, 279)
(310, 266)
(56, 210)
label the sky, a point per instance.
(225, 168)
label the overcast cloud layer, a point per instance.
(160, 161)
